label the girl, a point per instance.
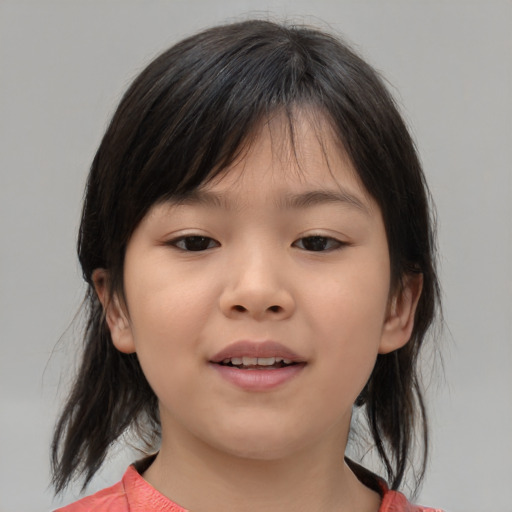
(258, 248)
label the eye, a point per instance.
(318, 243)
(194, 243)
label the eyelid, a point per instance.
(338, 244)
(173, 242)
(204, 242)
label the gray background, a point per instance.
(63, 66)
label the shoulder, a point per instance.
(111, 499)
(131, 494)
(394, 501)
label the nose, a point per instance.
(257, 287)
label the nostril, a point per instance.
(242, 309)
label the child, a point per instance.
(257, 244)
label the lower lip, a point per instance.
(258, 380)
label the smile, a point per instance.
(257, 366)
(252, 353)
(256, 363)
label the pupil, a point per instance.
(315, 243)
(197, 243)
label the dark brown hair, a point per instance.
(186, 117)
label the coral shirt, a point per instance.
(134, 494)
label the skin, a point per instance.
(257, 278)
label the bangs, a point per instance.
(193, 129)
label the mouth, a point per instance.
(258, 366)
(246, 354)
(257, 363)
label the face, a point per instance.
(258, 305)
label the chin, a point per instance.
(261, 444)
(256, 453)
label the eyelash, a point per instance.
(183, 240)
(332, 243)
(205, 243)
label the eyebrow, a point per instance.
(318, 197)
(289, 201)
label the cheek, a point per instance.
(351, 298)
(348, 314)
(165, 333)
(166, 305)
(167, 318)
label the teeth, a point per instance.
(266, 361)
(256, 361)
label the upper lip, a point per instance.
(261, 349)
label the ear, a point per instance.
(399, 321)
(115, 315)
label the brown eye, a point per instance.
(195, 243)
(318, 243)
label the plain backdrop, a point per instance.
(63, 67)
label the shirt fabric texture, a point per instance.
(134, 494)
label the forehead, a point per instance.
(287, 157)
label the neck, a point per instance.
(203, 479)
